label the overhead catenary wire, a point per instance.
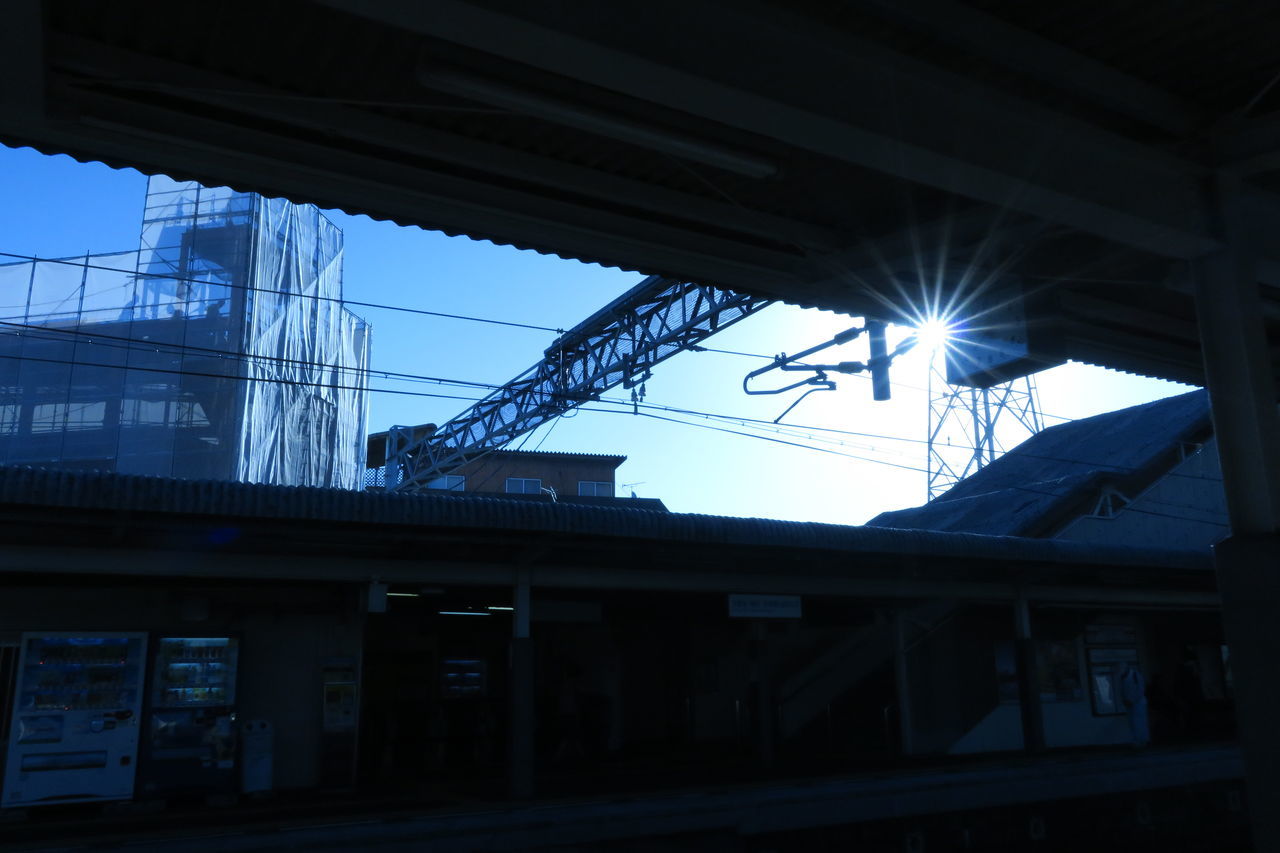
(83, 263)
(143, 345)
(233, 378)
(790, 429)
(744, 421)
(794, 430)
(134, 344)
(287, 293)
(274, 380)
(380, 306)
(150, 346)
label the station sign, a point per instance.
(745, 606)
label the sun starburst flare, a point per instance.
(933, 333)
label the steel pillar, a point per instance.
(1242, 397)
(902, 685)
(1028, 689)
(766, 717)
(520, 761)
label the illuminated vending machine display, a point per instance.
(190, 741)
(74, 735)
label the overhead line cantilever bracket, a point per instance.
(617, 345)
(878, 364)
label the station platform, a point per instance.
(993, 804)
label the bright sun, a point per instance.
(933, 333)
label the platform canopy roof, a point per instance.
(874, 156)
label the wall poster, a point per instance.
(1105, 666)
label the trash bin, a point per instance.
(257, 756)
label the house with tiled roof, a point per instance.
(1139, 477)
(1147, 474)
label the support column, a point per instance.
(766, 714)
(1238, 374)
(520, 763)
(902, 686)
(1242, 398)
(1028, 689)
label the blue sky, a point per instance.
(55, 207)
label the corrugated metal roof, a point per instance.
(103, 491)
(555, 454)
(1018, 492)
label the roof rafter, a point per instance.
(1045, 60)
(1012, 153)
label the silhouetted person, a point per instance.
(1133, 692)
(570, 747)
(1188, 692)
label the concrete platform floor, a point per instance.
(720, 816)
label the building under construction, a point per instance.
(219, 349)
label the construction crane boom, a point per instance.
(618, 345)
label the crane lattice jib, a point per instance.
(618, 345)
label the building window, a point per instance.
(523, 486)
(449, 483)
(589, 489)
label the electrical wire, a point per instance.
(764, 438)
(793, 430)
(286, 293)
(148, 346)
(334, 299)
(377, 306)
(268, 379)
(434, 396)
(745, 421)
(181, 349)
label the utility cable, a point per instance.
(41, 332)
(764, 438)
(232, 378)
(425, 394)
(148, 346)
(290, 294)
(378, 306)
(334, 299)
(341, 301)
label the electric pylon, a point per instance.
(970, 427)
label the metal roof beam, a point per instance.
(185, 144)
(902, 116)
(128, 74)
(22, 66)
(1250, 147)
(696, 576)
(1045, 60)
(943, 259)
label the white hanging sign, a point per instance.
(744, 606)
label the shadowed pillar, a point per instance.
(1242, 397)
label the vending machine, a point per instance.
(75, 726)
(190, 736)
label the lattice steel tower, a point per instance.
(970, 426)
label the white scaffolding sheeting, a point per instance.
(218, 350)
